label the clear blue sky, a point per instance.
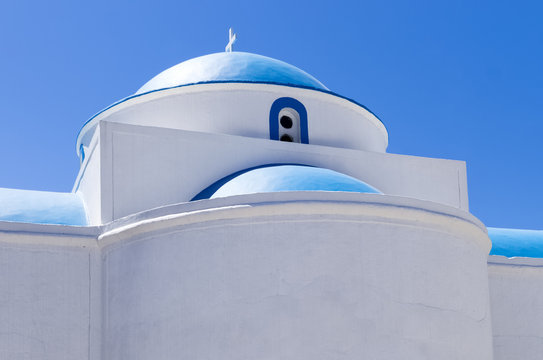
(457, 80)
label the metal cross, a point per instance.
(231, 40)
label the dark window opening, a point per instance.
(286, 122)
(286, 138)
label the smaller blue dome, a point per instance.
(231, 67)
(274, 178)
(516, 243)
(42, 207)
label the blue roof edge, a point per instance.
(42, 207)
(516, 242)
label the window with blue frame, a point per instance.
(288, 121)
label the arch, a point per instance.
(288, 102)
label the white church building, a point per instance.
(235, 208)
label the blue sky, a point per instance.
(457, 80)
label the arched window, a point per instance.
(288, 121)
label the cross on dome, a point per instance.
(231, 40)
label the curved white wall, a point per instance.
(297, 276)
(244, 110)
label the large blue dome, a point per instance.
(232, 67)
(274, 178)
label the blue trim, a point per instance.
(224, 82)
(286, 177)
(287, 102)
(81, 152)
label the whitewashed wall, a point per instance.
(45, 292)
(280, 275)
(516, 293)
(244, 110)
(166, 166)
(297, 276)
(90, 186)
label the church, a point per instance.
(234, 207)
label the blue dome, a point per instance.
(42, 207)
(274, 178)
(231, 67)
(516, 243)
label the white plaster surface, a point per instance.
(44, 302)
(165, 166)
(516, 296)
(89, 186)
(243, 110)
(297, 280)
(279, 275)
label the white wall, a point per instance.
(516, 289)
(243, 110)
(89, 181)
(45, 292)
(279, 275)
(146, 167)
(343, 276)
